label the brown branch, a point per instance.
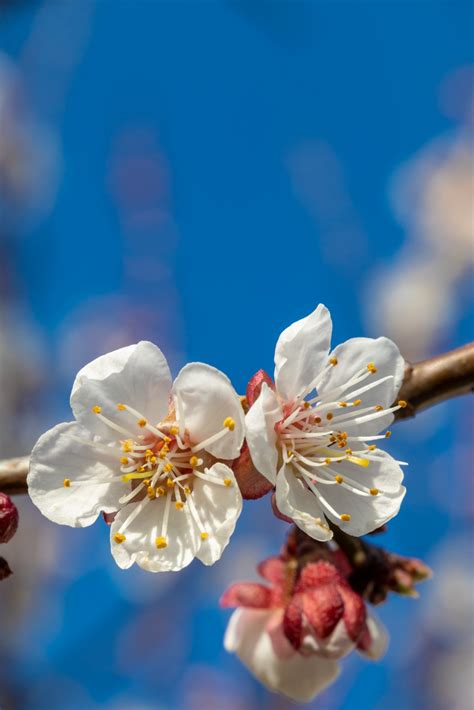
(435, 380)
(426, 383)
(13, 474)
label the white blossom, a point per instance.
(151, 452)
(313, 437)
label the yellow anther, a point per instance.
(339, 479)
(67, 483)
(358, 461)
(343, 404)
(146, 482)
(317, 420)
(124, 460)
(402, 403)
(96, 409)
(148, 453)
(187, 490)
(327, 461)
(227, 482)
(349, 452)
(174, 430)
(345, 517)
(142, 422)
(357, 402)
(166, 439)
(141, 469)
(374, 491)
(229, 423)
(342, 443)
(333, 361)
(121, 407)
(372, 447)
(153, 459)
(329, 416)
(150, 491)
(371, 368)
(119, 538)
(170, 482)
(194, 461)
(160, 491)
(127, 446)
(161, 542)
(168, 467)
(388, 434)
(179, 505)
(204, 535)
(290, 452)
(306, 405)
(378, 407)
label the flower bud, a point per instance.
(255, 385)
(251, 483)
(5, 570)
(8, 518)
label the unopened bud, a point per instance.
(8, 518)
(254, 386)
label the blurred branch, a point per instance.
(13, 474)
(435, 380)
(426, 383)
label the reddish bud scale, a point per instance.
(254, 386)
(251, 483)
(8, 518)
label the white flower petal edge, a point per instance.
(292, 500)
(379, 636)
(69, 452)
(137, 376)
(301, 353)
(204, 398)
(352, 358)
(332, 410)
(299, 678)
(261, 436)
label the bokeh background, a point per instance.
(202, 174)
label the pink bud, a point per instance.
(251, 483)
(255, 385)
(5, 570)
(8, 518)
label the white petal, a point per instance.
(337, 645)
(140, 543)
(204, 398)
(58, 456)
(383, 472)
(219, 508)
(302, 353)
(353, 356)
(298, 677)
(137, 375)
(379, 636)
(367, 512)
(297, 502)
(261, 436)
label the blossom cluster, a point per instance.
(168, 464)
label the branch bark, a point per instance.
(435, 380)
(426, 383)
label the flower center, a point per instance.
(160, 463)
(314, 441)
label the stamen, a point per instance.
(229, 423)
(333, 361)
(96, 409)
(339, 479)
(66, 483)
(371, 368)
(161, 542)
(119, 538)
(374, 491)
(402, 403)
(204, 535)
(345, 517)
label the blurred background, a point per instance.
(202, 174)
